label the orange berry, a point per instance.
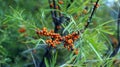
(53, 45)
(70, 41)
(76, 51)
(50, 34)
(96, 5)
(51, 31)
(41, 32)
(47, 41)
(57, 7)
(68, 48)
(60, 38)
(85, 11)
(47, 34)
(75, 38)
(66, 37)
(58, 42)
(73, 34)
(22, 30)
(44, 29)
(37, 32)
(71, 45)
(60, 2)
(69, 35)
(51, 5)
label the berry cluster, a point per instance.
(69, 40)
(57, 39)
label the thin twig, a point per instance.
(93, 11)
(59, 9)
(52, 13)
(54, 5)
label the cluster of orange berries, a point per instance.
(69, 40)
(57, 39)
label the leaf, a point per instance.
(108, 32)
(3, 51)
(106, 23)
(46, 63)
(90, 44)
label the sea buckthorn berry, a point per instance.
(96, 5)
(53, 45)
(22, 30)
(50, 34)
(76, 51)
(73, 33)
(47, 41)
(68, 48)
(51, 31)
(85, 11)
(60, 38)
(58, 42)
(76, 37)
(41, 32)
(66, 37)
(69, 35)
(38, 32)
(44, 29)
(51, 5)
(70, 41)
(60, 2)
(47, 34)
(57, 7)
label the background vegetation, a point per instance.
(27, 49)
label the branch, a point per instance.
(93, 11)
(52, 13)
(118, 37)
(54, 5)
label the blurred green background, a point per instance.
(32, 14)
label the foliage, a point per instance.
(26, 48)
